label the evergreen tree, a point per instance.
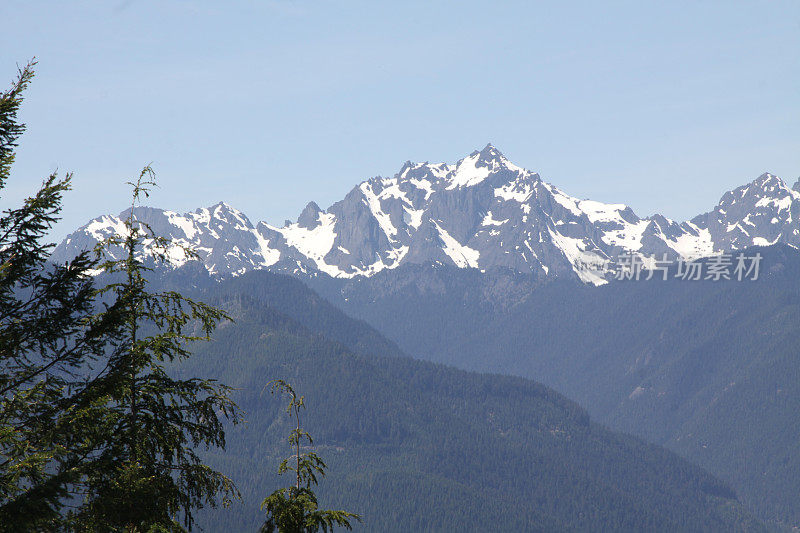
(152, 478)
(95, 435)
(295, 509)
(49, 340)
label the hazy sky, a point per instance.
(270, 104)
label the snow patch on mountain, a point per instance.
(489, 220)
(600, 212)
(373, 201)
(463, 256)
(106, 226)
(269, 255)
(423, 185)
(629, 237)
(585, 263)
(517, 191)
(468, 173)
(761, 241)
(314, 243)
(692, 245)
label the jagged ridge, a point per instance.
(482, 212)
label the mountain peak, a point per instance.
(768, 181)
(309, 218)
(222, 205)
(796, 186)
(489, 153)
(766, 186)
(224, 209)
(406, 166)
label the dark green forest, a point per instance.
(710, 370)
(417, 446)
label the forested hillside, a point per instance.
(416, 446)
(709, 369)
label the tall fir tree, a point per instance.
(49, 342)
(95, 434)
(154, 478)
(295, 509)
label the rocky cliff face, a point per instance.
(481, 212)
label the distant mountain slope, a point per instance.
(416, 446)
(481, 212)
(709, 369)
(301, 304)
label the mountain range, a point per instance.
(476, 264)
(482, 212)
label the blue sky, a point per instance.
(269, 104)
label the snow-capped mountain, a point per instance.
(481, 212)
(761, 213)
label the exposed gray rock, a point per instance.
(309, 218)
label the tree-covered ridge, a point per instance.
(708, 369)
(419, 446)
